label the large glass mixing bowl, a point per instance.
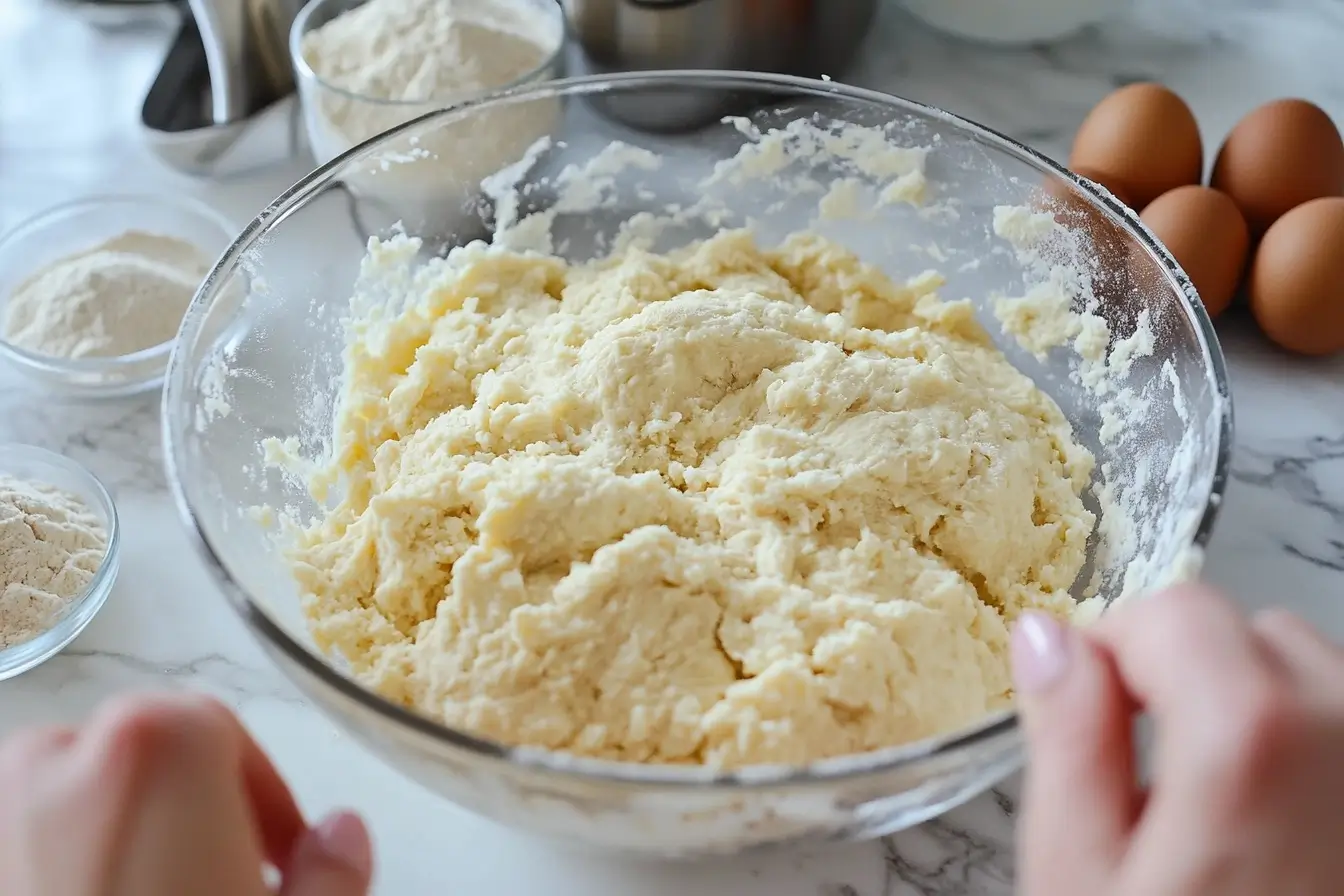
(260, 356)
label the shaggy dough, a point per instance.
(728, 506)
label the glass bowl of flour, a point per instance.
(60, 551)
(92, 291)
(365, 66)
(688, 511)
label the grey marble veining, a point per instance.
(1280, 538)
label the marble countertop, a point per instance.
(69, 105)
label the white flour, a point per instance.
(121, 296)
(51, 545)
(420, 53)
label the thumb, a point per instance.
(333, 859)
(1081, 798)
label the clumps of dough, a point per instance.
(725, 506)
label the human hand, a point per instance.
(1247, 792)
(162, 796)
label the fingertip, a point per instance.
(21, 749)
(1184, 640)
(1084, 699)
(1296, 647)
(1288, 628)
(132, 733)
(344, 837)
(335, 858)
(1080, 785)
(1179, 605)
(152, 719)
(1041, 647)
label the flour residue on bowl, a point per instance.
(1145, 541)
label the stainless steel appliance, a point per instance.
(800, 37)
(227, 70)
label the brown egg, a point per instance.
(1208, 236)
(1142, 139)
(1296, 285)
(1061, 193)
(1279, 156)
(1109, 182)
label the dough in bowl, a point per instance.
(725, 506)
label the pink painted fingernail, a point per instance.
(342, 836)
(1040, 652)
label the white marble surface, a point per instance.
(69, 103)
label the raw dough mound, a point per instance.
(725, 506)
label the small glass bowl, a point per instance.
(39, 465)
(366, 117)
(75, 226)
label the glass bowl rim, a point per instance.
(114, 363)
(998, 726)
(52, 641)
(304, 72)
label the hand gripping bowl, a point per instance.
(271, 366)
